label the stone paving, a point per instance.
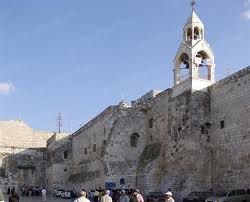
(39, 198)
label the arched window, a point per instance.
(134, 139)
(196, 33)
(184, 67)
(189, 34)
(204, 63)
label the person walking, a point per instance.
(82, 197)
(44, 193)
(168, 197)
(124, 197)
(106, 197)
(73, 195)
(14, 197)
(136, 196)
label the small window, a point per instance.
(32, 171)
(2, 172)
(222, 124)
(65, 154)
(85, 151)
(94, 148)
(104, 142)
(150, 123)
(202, 130)
(134, 139)
(175, 135)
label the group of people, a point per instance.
(114, 196)
(109, 196)
(25, 191)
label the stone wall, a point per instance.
(59, 161)
(180, 146)
(230, 131)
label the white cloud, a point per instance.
(246, 14)
(6, 88)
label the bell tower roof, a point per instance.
(193, 19)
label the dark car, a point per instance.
(155, 196)
(197, 196)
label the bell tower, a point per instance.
(194, 62)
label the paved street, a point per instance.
(39, 198)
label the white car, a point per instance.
(66, 194)
(59, 192)
(239, 195)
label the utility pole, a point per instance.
(59, 122)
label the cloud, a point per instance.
(246, 12)
(6, 88)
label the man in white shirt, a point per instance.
(168, 197)
(82, 198)
(106, 197)
(44, 192)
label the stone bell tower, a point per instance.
(194, 62)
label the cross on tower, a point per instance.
(193, 4)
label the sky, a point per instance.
(79, 57)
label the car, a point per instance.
(1, 196)
(66, 194)
(238, 195)
(155, 196)
(59, 192)
(197, 196)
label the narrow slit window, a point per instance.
(202, 130)
(151, 123)
(65, 154)
(222, 124)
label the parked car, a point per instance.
(238, 195)
(155, 196)
(1, 196)
(197, 196)
(54, 193)
(66, 194)
(59, 192)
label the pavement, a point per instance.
(38, 198)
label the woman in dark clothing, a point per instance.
(14, 198)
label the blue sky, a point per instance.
(78, 57)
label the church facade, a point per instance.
(194, 136)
